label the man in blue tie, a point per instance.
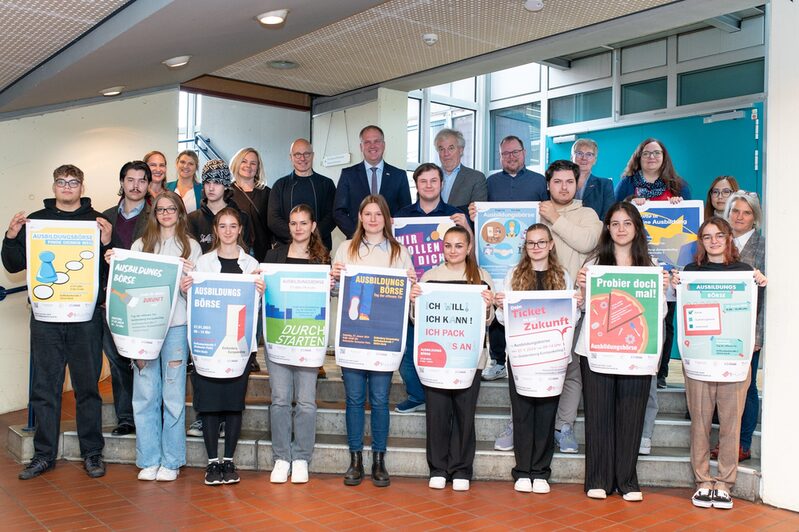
(372, 176)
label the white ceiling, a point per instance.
(340, 45)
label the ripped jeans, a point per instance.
(162, 440)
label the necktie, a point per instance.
(374, 181)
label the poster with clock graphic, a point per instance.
(624, 319)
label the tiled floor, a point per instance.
(66, 499)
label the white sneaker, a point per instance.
(148, 473)
(299, 472)
(597, 493)
(633, 496)
(437, 483)
(460, 484)
(540, 485)
(523, 485)
(492, 373)
(280, 473)
(646, 446)
(166, 475)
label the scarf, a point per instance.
(645, 189)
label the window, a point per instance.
(413, 131)
(643, 96)
(445, 116)
(721, 82)
(523, 121)
(580, 107)
(462, 90)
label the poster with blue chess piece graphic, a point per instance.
(499, 231)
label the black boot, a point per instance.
(379, 474)
(354, 474)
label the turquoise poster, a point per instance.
(499, 231)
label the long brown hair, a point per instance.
(317, 252)
(731, 253)
(709, 210)
(360, 233)
(524, 275)
(151, 239)
(227, 211)
(604, 253)
(674, 183)
(472, 269)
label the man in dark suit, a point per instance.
(372, 176)
(462, 185)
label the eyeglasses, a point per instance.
(63, 183)
(584, 154)
(724, 192)
(166, 210)
(541, 244)
(717, 237)
(651, 154)
(303, 155)
(507, 154)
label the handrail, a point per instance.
(8, 291)
(206, 148)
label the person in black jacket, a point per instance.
(55, 345)
(302, 185)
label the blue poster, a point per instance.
(222, 313)
(672, 230)
(449, 334)
(499, 229)
(424, 239)
(372, 318)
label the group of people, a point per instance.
(229, 221)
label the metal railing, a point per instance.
(203, 145)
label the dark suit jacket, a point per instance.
(353, 186)
(754, 254)
(470, 185)
(141, 223)
(598, 194)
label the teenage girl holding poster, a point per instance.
(219, 400)
(372, 244)
(614, 404)
(533, 417)
(295, 383)
(450, 456)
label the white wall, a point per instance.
(98, 139)
(232, 125)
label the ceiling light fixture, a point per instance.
(534, 5)
(430, 39)
(273, 18)
(177, 62)
(282, 64)
(112, 91)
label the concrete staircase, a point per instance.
(668, 465)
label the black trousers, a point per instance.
(614, 420)
(451, 441)
(668, 338)
(121, 378)
(533, 429)
(496, 342)
(53, 347)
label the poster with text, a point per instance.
(449, 334)
(140, 300)
(63, 259)
(499, 230)
(222, 321)
(372, 318)
(671, 230)
(716, 314)
(424, 239)
(539, 328)
(624, 319)
(296, 313)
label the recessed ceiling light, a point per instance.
(273, 18)
(430, 39)
(112, 91)
(177, 62)
(534, 5)
(282, 64)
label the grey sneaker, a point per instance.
(646, 446)
(505, 440)
(497, 371)
(565, 439)
(196, 428)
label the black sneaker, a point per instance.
(213, 474)
(703, 498)
(229, 473)
(721, 499)
(94, 466)
(36, 468)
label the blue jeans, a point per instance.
(292, 384)
(355, 384)
(121, 378)
(161, 436)
(413, 386)
(751, 407)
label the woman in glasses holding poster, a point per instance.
(219, 400)
(372, 244)
(294, 383)
(450, 456)
(716, 252)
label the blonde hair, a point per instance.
(235, 163)
(524, 275)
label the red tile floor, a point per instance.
(66, 499)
